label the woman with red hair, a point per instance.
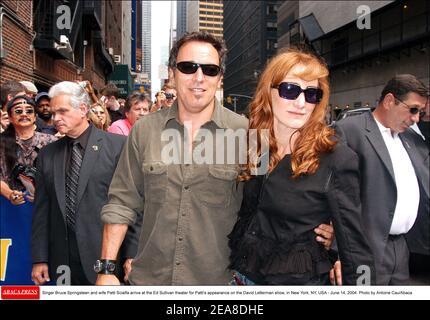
(311, 179)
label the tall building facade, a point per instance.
(126, 38)
(181, 18)
(146, 40)
(363, 51)
(205, 15)
(250, 33)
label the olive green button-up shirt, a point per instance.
(189, 207)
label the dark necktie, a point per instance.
(72, 180)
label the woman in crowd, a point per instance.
(19, 148)
(99, 116)
(311, 179)
(136, 106)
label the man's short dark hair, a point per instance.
(10, 88)
(200, 36)
(402, 84)
(110, 90)
(136, 97)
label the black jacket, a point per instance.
(49, 231)
(378, 186)
(273, 241)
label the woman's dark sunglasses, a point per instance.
(21, 111)
(291, 91)
(188, 67)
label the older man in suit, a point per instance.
(71, 188)
(394, 177)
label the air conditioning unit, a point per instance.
(117, 58)
(110, 50)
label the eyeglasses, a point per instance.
(412, 110)
(21, 111)
(291, 91)
(189, 67)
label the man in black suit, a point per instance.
(394, 177)
(72, 184)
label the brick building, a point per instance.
(16, 33)
(47, 41)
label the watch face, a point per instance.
(110, 267)
(98, 266)
(103, 266)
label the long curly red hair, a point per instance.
(314, 138)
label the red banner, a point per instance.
(20, 292)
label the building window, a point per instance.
(339, 52)
(271, 9)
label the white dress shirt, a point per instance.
(408, 191)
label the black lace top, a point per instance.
(273, 241)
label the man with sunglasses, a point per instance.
(394, 177)
(189, 208)
(20, 146)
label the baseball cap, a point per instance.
(41, 95)
(29, 86)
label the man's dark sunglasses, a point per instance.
(21, 111)
(189, 67)
(291, 91)
(412, 110)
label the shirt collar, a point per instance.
(384, 130)
(217, 115)
(83, 138)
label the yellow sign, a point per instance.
(4, 251)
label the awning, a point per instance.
(311, 27)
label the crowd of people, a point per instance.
(330, 204)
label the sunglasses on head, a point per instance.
(412, 110)
(291, 91)
(189, 67)
(21, 111)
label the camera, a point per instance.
(27, 171)
(169, 96)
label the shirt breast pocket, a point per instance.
(219, 187)
(155, 181)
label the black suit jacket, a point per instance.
(49, 230)
(378, 187)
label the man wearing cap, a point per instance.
(8, 90)
(30, 89)
(44, 122)
(19, 148)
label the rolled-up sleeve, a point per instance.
(126, 194)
